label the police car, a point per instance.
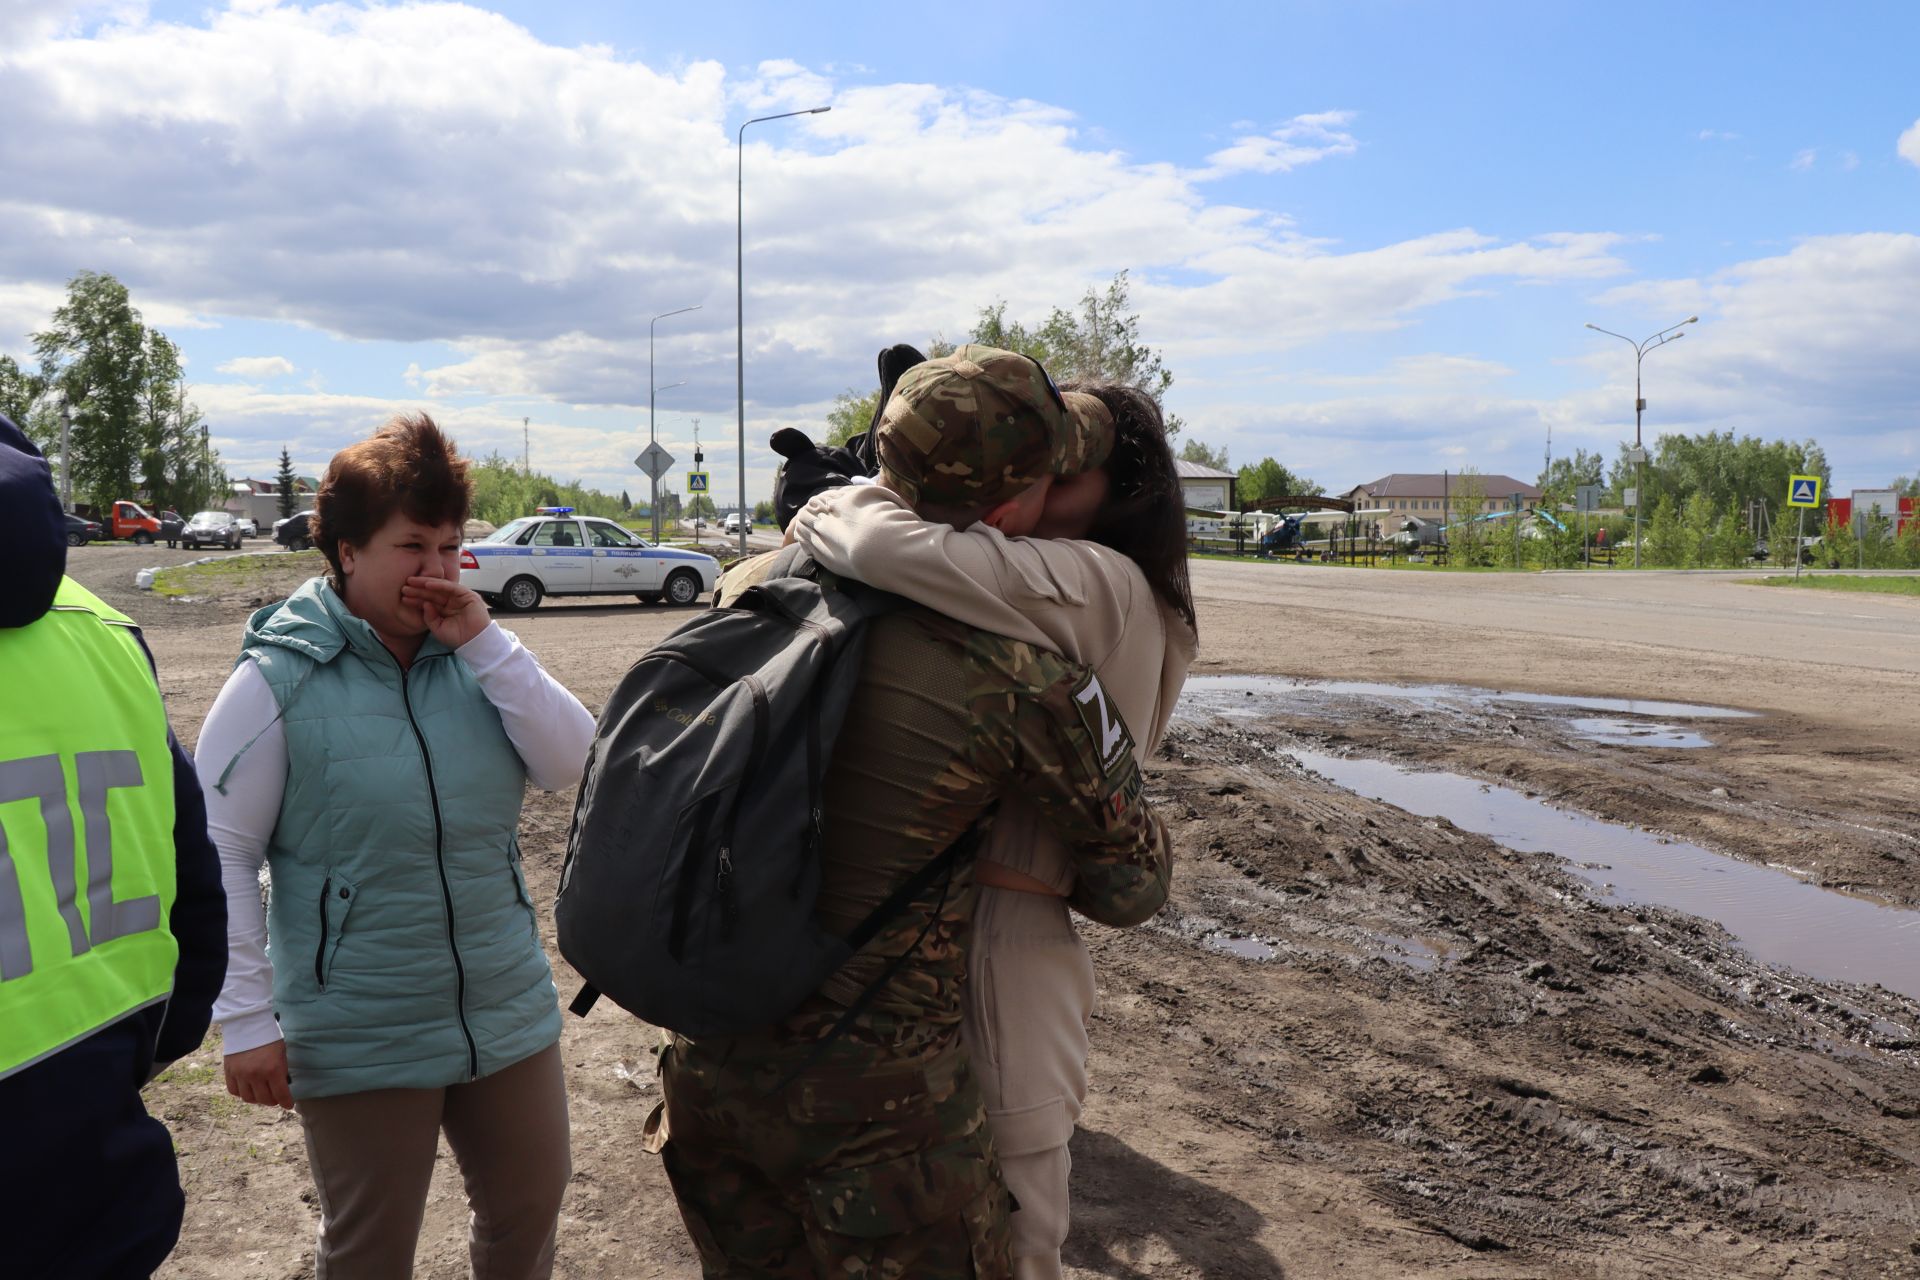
(556, 553)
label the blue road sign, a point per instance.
(696, 482)
(1803, 491)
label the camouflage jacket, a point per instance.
(945, 721)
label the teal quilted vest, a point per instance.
(406, 952)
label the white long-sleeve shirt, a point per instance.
(546, 724)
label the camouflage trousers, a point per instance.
(876, 1164)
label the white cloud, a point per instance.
(1718, 135)
(1803, 160)
(1301, 140)
(1849, 161)
(1909, 144)
(258, 368)
(530, 205)
(434, 173)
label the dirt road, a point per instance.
(1366, 1039)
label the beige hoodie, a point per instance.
(1079, 599)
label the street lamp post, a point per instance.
(740, 296)
(654, 504)
(1640, 350)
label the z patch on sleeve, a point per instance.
(1104, 723)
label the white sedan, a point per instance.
(565, 555)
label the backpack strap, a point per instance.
(865, 931)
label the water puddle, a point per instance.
(1634, 733)
(1257, 695)
(1777, 918)
(1415, 953)
(1245, 948)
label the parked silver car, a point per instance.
(212, 529)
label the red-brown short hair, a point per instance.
(409, 465)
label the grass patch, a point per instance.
(1846, 582)
(270, 576)
(187, 1072)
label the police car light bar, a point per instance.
(553, 511)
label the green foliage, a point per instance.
(1199, 452)
(1565, 474)
(1838, 547)
(1723, 469)
(1269, 479)
(850, 415)
(288, 501)
(1470, 541)
(1876, 548)
(503, 492)
(1097, 341)
(18, 390)
(1732, 546)
(1903, 486)
(1846, 582)
(133, 428)
(1906, 545)
(763, 513)
(701, 507)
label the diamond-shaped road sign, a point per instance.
(654, 461)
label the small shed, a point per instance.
(1207, 487)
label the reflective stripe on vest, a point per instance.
(86, 829)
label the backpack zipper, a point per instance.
(723, 885)
(446, 889)
(684, 886)
(723, 874)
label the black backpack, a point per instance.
(693, 858)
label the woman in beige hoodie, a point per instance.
(1098, 573)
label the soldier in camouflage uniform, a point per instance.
(869, 1158)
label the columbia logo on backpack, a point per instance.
(693, 858)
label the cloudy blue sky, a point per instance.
(1364, 235)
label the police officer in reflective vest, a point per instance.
(112, 921)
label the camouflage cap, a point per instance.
(981, 425)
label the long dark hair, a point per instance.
(1145, 515)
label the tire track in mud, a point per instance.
(1558, 1083)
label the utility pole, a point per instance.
(652, 393)
(1640, 350)
(740, 294)
(66, 453)
(526, 448)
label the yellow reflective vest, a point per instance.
(87, 876)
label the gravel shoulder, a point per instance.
(1457, 1061)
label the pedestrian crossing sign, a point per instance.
(1803, 491)
(696, 482)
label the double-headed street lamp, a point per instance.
(740, 297)
(651, 392)
(1640, 349)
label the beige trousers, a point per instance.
(1030, 1000)
(372, 1156)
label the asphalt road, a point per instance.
(1840, 656)
(1706, 612)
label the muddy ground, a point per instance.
(1359, 1042)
